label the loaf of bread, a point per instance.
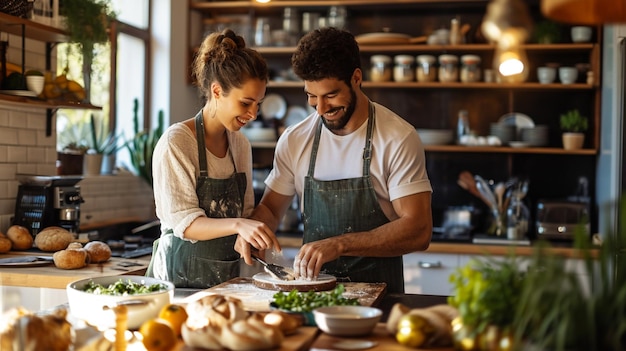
(216, 322)
(74, 257)
(287, 323)
(438, 319)
(5, 243)
(50, 332)
(98, 251)
(20, 237)
(52, 239)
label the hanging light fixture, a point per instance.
(508, 24)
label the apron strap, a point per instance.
(201, 146)
(367, 150)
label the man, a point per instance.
(357, 167)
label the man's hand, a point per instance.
(309, 260)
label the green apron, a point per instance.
(208, 262)
(335, 207)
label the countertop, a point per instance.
(49, 276)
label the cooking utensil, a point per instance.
(278, 272)
(25, 259)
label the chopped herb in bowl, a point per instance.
(122, 288)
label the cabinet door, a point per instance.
(429, 273)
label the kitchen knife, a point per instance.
(25, 259)
(278, 272)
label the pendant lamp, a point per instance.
(590, 12)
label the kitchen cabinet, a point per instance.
(25, 28)
(435, 105)
(428, 273)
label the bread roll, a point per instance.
(5, 244)
(287, 323)
(251, 334)
(53, 239)
(20, 237)
(98, 251)
(73, 257)
(51, 332)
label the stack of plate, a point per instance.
(436, 136)
(535, 136)
(505, 132)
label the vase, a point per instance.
(92, 164)
(108, 164)
(573, 141)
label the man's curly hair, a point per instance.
(326, 53)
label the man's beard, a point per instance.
(348, 112)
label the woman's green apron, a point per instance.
(335, 207)
(204, 263)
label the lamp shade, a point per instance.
(591, 12)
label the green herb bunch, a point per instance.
(487, 292)
(296, 301)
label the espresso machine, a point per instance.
(45, 201)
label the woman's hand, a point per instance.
(255, 234)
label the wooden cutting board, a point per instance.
(383, 342)
(258, 300)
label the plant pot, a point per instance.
(573, 141)
(93, 164)
(70, 163)
(108, 164)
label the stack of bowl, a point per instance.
(505, 132)
(535, 136)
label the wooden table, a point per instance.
(51, 277)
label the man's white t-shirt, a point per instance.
(398, 166)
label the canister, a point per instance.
(403, 68)
(448, 68)
(380, 70)
(470, 68)
(426, 70)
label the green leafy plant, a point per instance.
(103, 141)
(574, 122)
(486, 292)
(141, 147)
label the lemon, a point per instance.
(411, 331)
(157, 335)
(175, 315)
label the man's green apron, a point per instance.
(335, 207)
(204, 263)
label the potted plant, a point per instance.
(574, 125)
(87, 23)
(141, 146)
(72, 145)
(104, 144)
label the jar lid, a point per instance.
(469, 59)
(404, 59)
(448, 59)
(425, 58)
(380, 59)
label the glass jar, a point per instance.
(403, 69)
(448, 68)
(470, 68)
(426, 70)
(380, 70)
(517, 218)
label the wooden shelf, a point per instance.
(33, 30)
(243, 4)
(39, 103)
(452, 85)
(509, 150)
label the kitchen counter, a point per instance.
(49, 276)
(463, 248)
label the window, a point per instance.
(120, 75)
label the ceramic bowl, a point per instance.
(436, 136)
(546, 75)
(581, 34)
(259, 133)
(95, 308)
(568, 75)
(35, 83)
(347, 320)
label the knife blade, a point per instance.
(278, 272)
(25, 259)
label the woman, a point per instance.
(202, 171)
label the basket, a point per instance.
(19, 8)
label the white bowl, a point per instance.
(347, 320)
(581, 34)
(436, 136)
(94, 308)
(259, 133)
(546, 75)
(35, 83)
(568, 75)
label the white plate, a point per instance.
(295, 114)
(19, 93)
(354, 344)
(517, 144)
(518, 120)
(274, 106)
